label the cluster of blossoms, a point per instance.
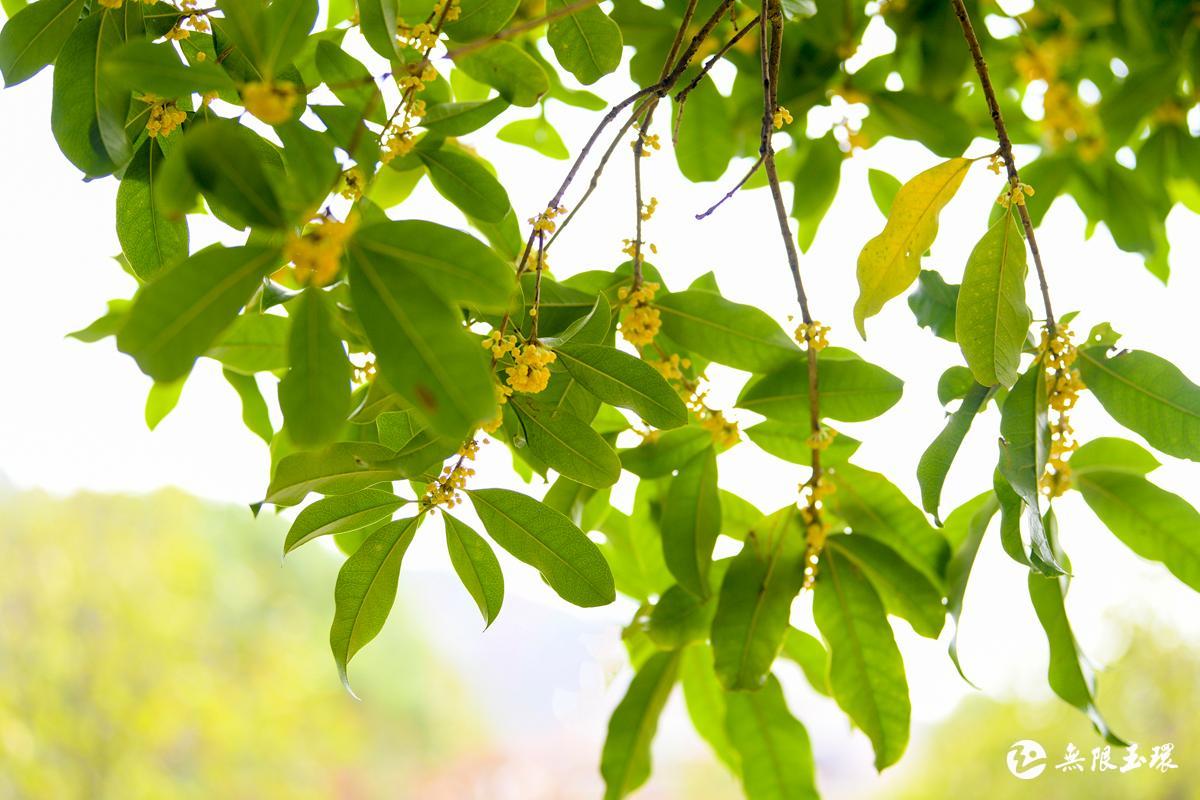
(1015, 195)
(353, 183)
(821, 439)
(1064, 385)
(648, 209)
(445, 491)
(194, 21)
(164, 117)
(671, 368)
(530, 372)
(399, 138)
(724, 432)
(1064, 118)
(812, 334)
(317, 253)
(544, 222)
(816, 529)
(632, 248)
(782, 117)
(995, 163)
(270, 101)
(648, 142)
(642, 321)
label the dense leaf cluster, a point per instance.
(395, 341)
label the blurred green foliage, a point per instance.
(1149, 695)
(152, 647)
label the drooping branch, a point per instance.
(1014, 178)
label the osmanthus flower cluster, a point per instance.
(392, 343)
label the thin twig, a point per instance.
(517, 30)
(745, 178)
(1014, 179)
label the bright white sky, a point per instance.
(71, 417)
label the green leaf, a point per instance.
(397, 428)
(905, 590)
(1011, 506)
(972, 517)
(890, 262)
(625, 761)
(32, 37)
(466, 183)
(161, 401)
(586, 42)
(454, 264)
(157, 68)
(476, 566)
(955, 384)
(253, 343)
(776, 756)
(177, 317)
(459, 119)
(377, 20)
(680, 618)
(1024, 444)
(871, 505)
(812, 657)
(569, 445)
(1069, 674)
(537, 134)
(546, 540)
(107, 325)
(661, 456)
(350, 81)
(739, 336)
(150, 241)
(421, 347)
(255, 415)
(866, 672)
(366, 589)
(883, 189)
(992, 320)
(789, 441)
(935, 304)
(1156, 524)
(287, 25)
(340, 468)
(936, 460)
(315, 393)
(620, 379)
(225, 160)
(88, 115)
(505, 67)
(1148, 395)
(701, 155)
(1110, 454)
(755, 601)
(480, 18)
(341, 513)
(816, 185)
(691, 521)
(849, 389)
(705, 700)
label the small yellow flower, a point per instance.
(270, 101)
(1015, 195)
(782, 117)
(672, 368)
(317, 254)
(544, 222)
(820, 440)
(500, 345)
(642, 321)
(812, 334)
(531, 372)
(649, 142)
(353, 183)
(648, 209)
(445, 491)
(164, 117)
(994, 164)
(724, 433)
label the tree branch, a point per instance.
(1014, 179)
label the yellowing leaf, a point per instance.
(890, 262)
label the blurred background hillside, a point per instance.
(154, 647)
